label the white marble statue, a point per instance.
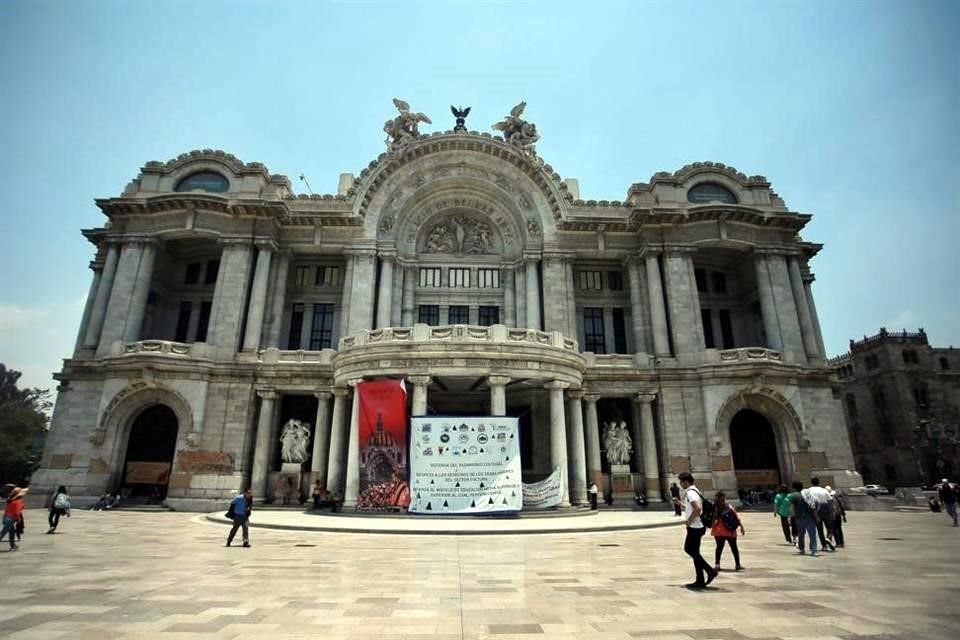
(294, 441)
(617, 443)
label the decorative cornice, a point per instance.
(689, 171)
(228, 160)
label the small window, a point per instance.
(593, 332)
(726, 329)
(430, 277)
(944, 364)
(719, 281)
(321, 332)
(710, 192)
(615, 281)
(213, 268)
(302, 276)
(458, 314)
(619, 331)
(920, 396)
(488, 278)
(296, 327)
(183, 321)
(192, 275)
(203, 322)
(852, 408)
(872, 361)
(707, 319)
(458, 277)
(429, 314)
(590, 280)
(488, 316)
(327, 276)
(701, 277)
(204, 181)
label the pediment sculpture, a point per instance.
(460, 235)
(403, 129)
(517, 131)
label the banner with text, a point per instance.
(383, 445)
(465, 465)
(544, 494)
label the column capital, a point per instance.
(267, 394)
(420, 381)
(354, 382)
(387, 254)
(341, 392)
(555, 385)
(649, 252)
(265, 244)
(360, 252)
(135, 239)
(97, 265)
(235, 242)
(575, 394)
(674, 249)
(644, 397)
(531, 256)
(322, 395)
(498, 381)
(591, 398)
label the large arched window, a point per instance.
(204, 181)
(710, 192)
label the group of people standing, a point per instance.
(810, 514)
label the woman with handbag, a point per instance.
(59, 507)
(724, 529)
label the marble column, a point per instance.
(278, 300)
(533, 294)
(578, 465)
(658, 313)
(554, 291)
(636, 306)
(363, 281)
(97, 268)
(345, 297)
(594, 465)
(783, 302)
(519, 285)
(558, 436)
(498, 395)
(767, 310)
(321, 436)
(385, 291)
(408, 304)
(686, 325)
(230, 294)
(263, 446)
(335, 459)
(352, 483)
(807, 332)
(141, 291)
(635, 436)
(808, 289)
(571, 331)
(509, 298)
(258, 299)
(306, 329)
(99, 311)
(420, 384)
(648, 438)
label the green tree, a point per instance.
(23, 427)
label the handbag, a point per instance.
(229, 514)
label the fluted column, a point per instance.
(509, 297)
(261, 452)
(558, 436)
(519, 285)
(363, 281)
(141, 291)
(571, 289)
(120, 296)
(658, 312)
(345, 297)
(765, 292)
(807, 331)
(636, 306)
(498, 395)
(385, 294)
(335, 459)
(420, 384)
(97, 268)
(578, 465)
(651, 468)
(99, 311)
(808, 289)
(686, 325)
(594, 465)
(281, 267)
(321, 436)
(352, 484)
(230, 294)
(258, 299)
(408, 304)
(533, 294)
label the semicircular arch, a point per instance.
(776, 408)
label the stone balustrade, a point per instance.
(458, 333)
(748, 354)
(155, 347)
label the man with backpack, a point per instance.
(239, 511)
(948, 498)
(698, 512)
(804, 517)
(822, 505)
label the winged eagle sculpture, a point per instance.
(403, 129)
(516, 130)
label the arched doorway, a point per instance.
(754, 448)
(150, 449)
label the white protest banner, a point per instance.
(546, 493)
(464, 465)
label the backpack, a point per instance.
(707, 510)
(61, 501)
(826, 511)
(729, 519)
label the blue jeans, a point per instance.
(9, 524)
(807, 527)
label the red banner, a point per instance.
(383, 445)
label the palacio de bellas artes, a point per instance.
(677, 324)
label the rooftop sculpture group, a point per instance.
(517, 131)
(404, 128)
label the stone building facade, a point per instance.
(223, 304)
(901, 401)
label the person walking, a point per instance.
(839, 517)
(781, 509)
(693, 507)
(948, 498)
(804, 517)
(60, 506)
(592, 495)
(675, 498)
(822, 504)
(240, 508)
(726, 521)
(12, 514)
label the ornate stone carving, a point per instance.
(386, 223)
(517, 131)
(617, 442)
(294, 441)
(461, 115)
(403, 129)
(533, 227)
(461, 235)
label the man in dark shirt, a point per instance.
(805, 518)
(948, 498)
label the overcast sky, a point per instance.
(850, 109)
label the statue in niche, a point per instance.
(294, 441)
(517, 131)
(480, 242)
(617, 443)
(402, 129)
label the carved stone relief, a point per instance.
(460, 235)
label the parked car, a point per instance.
(869, 489)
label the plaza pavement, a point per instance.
(112, 575)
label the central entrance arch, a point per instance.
(754, 447)
(150, 449)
